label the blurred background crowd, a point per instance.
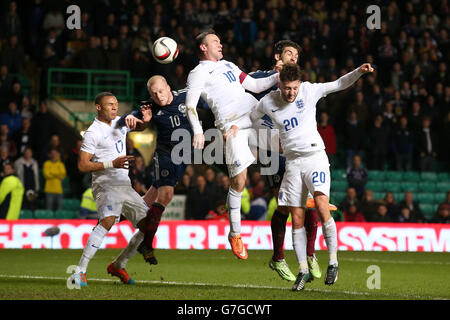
(395, 119)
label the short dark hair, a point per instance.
(280, 45)
(200, 39)
(290, 72)
(99, 97)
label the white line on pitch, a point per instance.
(246, 286)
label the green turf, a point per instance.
(217, 274)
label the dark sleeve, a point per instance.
(136, 113)
(202, 104)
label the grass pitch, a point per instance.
(218, 275)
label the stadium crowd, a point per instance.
(397, 118)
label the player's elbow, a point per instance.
(82, 167)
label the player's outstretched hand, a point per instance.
(366, 68)
(198, 141)
(279, 66)
(131, 122)
(146, 112)
(123, 162)
(231, 132)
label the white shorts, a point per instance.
(308, 173)
(238, 154)
(117, 200)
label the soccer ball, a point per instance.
(165, 50)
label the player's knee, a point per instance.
(108, 222)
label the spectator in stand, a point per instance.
(389, 117)
(88, 206)
(11, 194)
(54, 19)
(27, 170)
(427, 146)
(92, 56)
(6, 142)
(17, 94)
(357, 176)
(4, 158)
(378, 144)
(49, 60)
(443, 214)
(353, 134)
(6, 82)
(12, 118)
(353, 214)
(350, 198)
(392, 207)
(382, 214)
(75, 176)
(42, 127)
(54, 143)
(360, 108)
(406, 216)
(198, 201)
(328, 135)
(12, 55)
(219, 213)
(211, 184)
(402, 146)
(54, 172)
(369, 206)
(10, 22)
(415, 117)
(184, 186)
(27, 108)
(22, 137)
(415, 214)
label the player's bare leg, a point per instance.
(237, 184)
(299, 244)
(330, 236)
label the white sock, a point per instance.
(330, 236)
(130, 250)
(299, 244)
(234, 202)
(94, 242)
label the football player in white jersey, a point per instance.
(292, 109)
(222, 85)
(103, 153)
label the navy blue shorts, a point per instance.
(274, 181)
(165, 172)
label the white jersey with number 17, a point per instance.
(106, 143)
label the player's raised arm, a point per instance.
(194, 90)
(346, 80)
(258, 85)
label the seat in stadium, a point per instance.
(410, 186)
(339, 186)
(443, 186)
(44, 214)
(378, 195)
(26, 214)
(427, 209)
(375, 186)
(427, 186)
(71, 204)
(394, 176)
(412, 176)
(443, 176)
(67, 191)
(377, 175)
(439, 197)
(337, 197)
(399, 196)
(423, 197)
(392, 186)
(338, 175)
(66, 214)
(429, 176)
